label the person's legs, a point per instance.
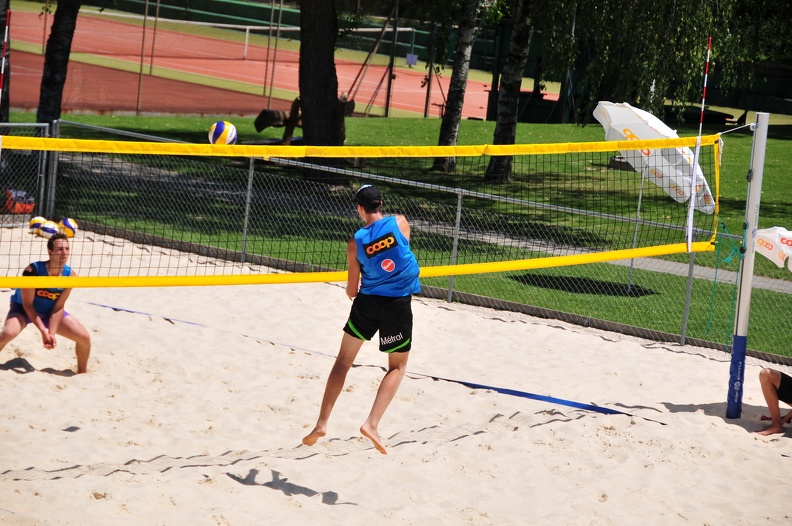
(397, 366)
(13, 325)
(335, 383)
(72, 329)
(770, 379)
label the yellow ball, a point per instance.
(68, 226)
(36, 223)
(48, 229)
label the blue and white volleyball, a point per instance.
(68, 226)
(222, 132)
(48, 229)
(36, 223)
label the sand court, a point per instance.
(198, 397)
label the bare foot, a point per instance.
(315, 435)
(771, 430)
(372, 435)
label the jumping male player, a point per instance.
(383, 274)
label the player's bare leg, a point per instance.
(397, 366)
(770, 380)
(335, 383)
(75, 331)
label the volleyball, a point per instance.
(36, 223)
(48, 229)
(68, 226)
(222, 132)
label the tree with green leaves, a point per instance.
(648, 54)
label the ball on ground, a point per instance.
(48, 229)
(36, 223)
(222, 132)
(68, 226)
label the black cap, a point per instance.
(368, 197)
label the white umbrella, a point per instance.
(668, 168)
(775, 244)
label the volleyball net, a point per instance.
(175, 214)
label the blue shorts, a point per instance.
(392, 317)
(785, 389)
(18, 310)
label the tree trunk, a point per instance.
(449, 128)
(322, 123)
(4, 112)
(499, 169)
(56, 60)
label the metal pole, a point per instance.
(275, 56)
(740, 341)
(43, 162)
(51, 175)
(142, 56)
(267, 54)
(44, 32)
(455, 247)
(430, 70)
(245, 222)
(154, 38)
(688, 294)
(394, 42)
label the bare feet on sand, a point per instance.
(372, 435)
(771, 430)
(315, 435)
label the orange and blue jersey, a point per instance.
(44, 299)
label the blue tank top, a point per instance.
(388, 266)
(44, 299)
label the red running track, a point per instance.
(91, 88)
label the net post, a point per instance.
(688, 295)
(740, 340)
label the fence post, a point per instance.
(740, 340)
(248, 197)
(50, 161)
(455, 246)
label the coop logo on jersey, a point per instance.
(44, 293)
(380, 245)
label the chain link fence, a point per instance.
(285, 215)
(22, 175)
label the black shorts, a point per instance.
(785, 389)
(392, 317)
